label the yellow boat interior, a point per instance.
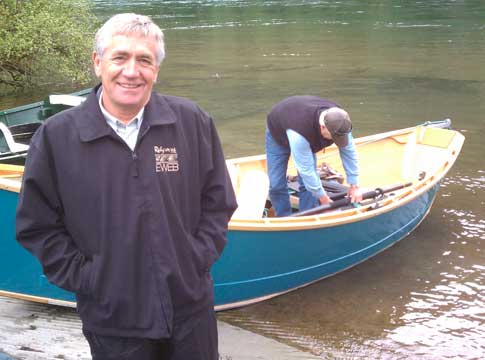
(420, 155)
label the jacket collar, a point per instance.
(92, 125)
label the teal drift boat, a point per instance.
(268, 256)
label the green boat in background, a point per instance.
(17, 125)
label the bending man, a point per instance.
(301, 126)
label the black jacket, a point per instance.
(132, 233)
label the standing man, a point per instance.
(125, 202)
(301, 126)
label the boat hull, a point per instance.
(21, 273)
(274, 262)
(278, 262)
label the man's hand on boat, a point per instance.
(325, 199)
(355, 194)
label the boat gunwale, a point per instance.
(21, 108)
(38, 299)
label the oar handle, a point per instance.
(346, 201)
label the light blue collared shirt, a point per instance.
(305, 162)
(128, 132)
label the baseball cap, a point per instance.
(338, 123)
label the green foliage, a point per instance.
(45, 42)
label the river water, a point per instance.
(391, 64)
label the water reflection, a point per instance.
(447, 318)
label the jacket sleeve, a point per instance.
(39, 224)
(218, 201)
(305, 162)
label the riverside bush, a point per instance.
(45, 42)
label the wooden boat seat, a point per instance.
(421, 145)
(251, 189)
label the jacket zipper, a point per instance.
(134, 156)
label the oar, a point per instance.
(346, 201)
(337, 196)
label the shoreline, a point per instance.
(33, 331)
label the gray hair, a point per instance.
(129, 23)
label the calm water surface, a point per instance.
(391, 64)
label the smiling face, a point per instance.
(128, 70)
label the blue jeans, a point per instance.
(277, 157)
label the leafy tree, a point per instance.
(45, 42)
